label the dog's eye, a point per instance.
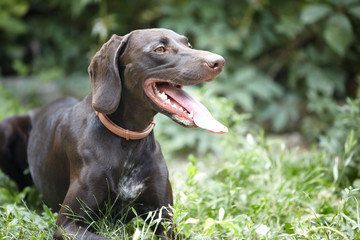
(189, 45)
(160, 50)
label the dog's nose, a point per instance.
(215, 62)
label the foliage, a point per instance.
(19, 222)
(343, 137)
(288, 63)
(258, 189)
(255, 189)
(291, 64)
(9, 104)
(276, 200)
(54, 38)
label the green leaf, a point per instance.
(355, 11)
(339, 33)
(263, 87)
(289, 229)
(317, 80)
(289, 25)
(255, 46)
(20, 8)
(312, 13)
(13, 25)
(191, 169)
(20, 67)
(244, 99)
(280, 119)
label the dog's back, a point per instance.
(15, 133)
(46, 143)
(14, 137)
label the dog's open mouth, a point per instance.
(181, 105)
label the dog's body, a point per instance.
(76, 162)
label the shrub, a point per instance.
(288, 63)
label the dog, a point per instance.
(94, 151)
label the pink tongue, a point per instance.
(202, 116)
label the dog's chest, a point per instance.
(131, 183)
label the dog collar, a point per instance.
(124, 133)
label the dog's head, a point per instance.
(152, 66)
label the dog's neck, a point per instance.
(132, 116)
(124, 133)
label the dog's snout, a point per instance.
(215, 62)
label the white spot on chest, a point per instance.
(131, 185)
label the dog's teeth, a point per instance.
(156, 90)
(181, 109)
(191, 114)
(163, 96)
(168, 101)
(174, 106)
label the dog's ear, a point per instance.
(105, 76)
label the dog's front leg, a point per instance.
(76, 211)
(166, 229)
(157, 199)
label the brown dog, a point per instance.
(77, 152)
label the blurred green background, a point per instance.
(290, 64)
(292, 72)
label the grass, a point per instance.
(256, 190)
(259, 191)
(252, 187)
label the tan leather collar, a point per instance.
(124, 133)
